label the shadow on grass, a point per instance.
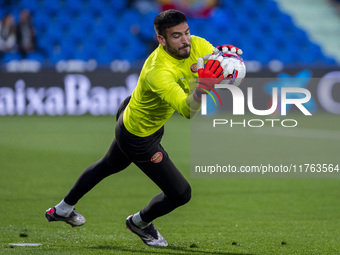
(164, 250)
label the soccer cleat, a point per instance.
(74, 219)
(149, 234)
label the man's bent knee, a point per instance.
(184, 197)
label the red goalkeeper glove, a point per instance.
(212, 73)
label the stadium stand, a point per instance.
(108, 30)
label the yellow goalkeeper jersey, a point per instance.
(162, 88)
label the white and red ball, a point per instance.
(235, 67)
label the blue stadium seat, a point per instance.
(91, 48)
(84, 20)
(130, 16)
(146, 25)
(73, 7)
(9, 56)
(41, 21)
(108, 19)
(330, 61)
(109, 29)
(117, 7)
(112, 49)
(81, 54)
(77, 32)
(67, 46)
(103, 57)
(220, 19)
(28, 4)
(65, 21)
(50, 7)
(35, 56)
(98, 39)
(54, 32)
(96, 7)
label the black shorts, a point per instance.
(148, 154)
(138, 149)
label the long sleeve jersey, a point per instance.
(163, 87)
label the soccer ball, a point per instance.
(235, 67)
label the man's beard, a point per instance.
(176, 52)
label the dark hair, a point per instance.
(167, 19)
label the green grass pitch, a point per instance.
(41, 158)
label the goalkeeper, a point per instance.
(163, 87)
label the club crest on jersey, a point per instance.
(157, 157)
(193, 68)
